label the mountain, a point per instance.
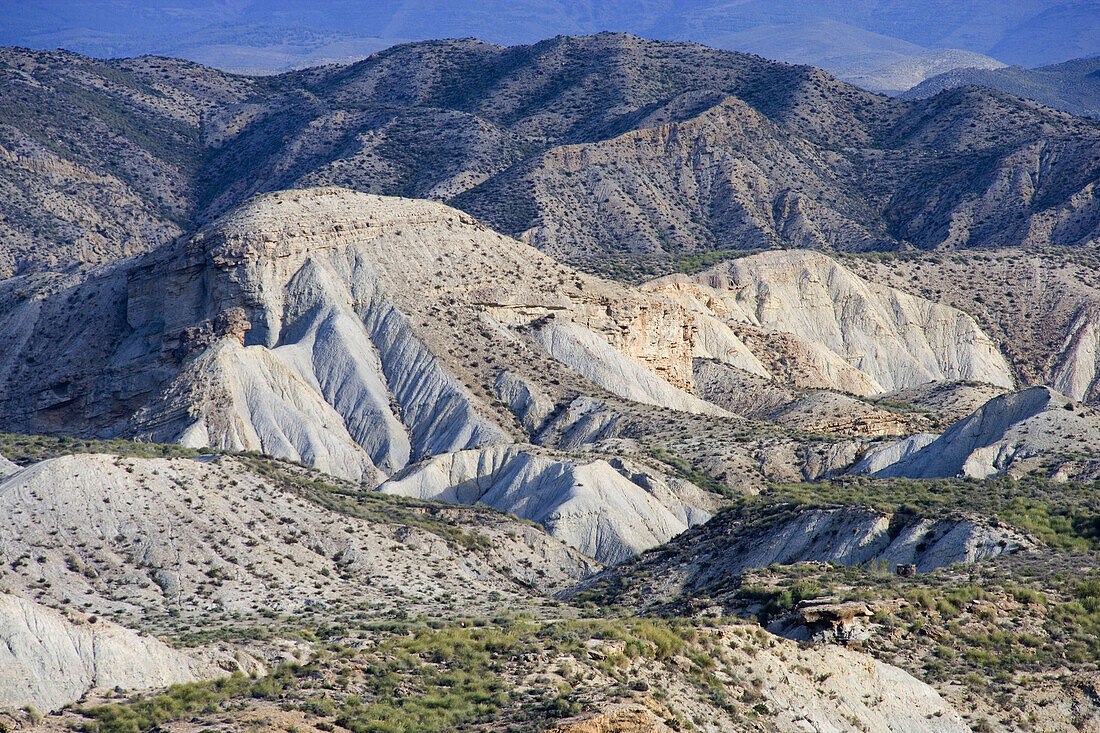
(362, 334)
(1073, 86)
(907, 73)
(616, 153)
(265, 568)
(869, 60)
(441, 375)
(276, 36)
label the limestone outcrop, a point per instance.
(888, 338)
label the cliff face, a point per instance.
(711, 557)
(605, 513)
(362, 335)
(838, 329)
(1009, 434)
(359, 333)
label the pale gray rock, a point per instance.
(587, 353)
(50, 661)
(579, 425)
(530, 404)
(848, 691)
(208, 539)
(590, 506)
(881, 457)
(856, 536)
(250, 399)
(895, 339)
(1077, 365)
(272, 330)
(1007, 431)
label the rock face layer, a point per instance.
(359, 333)
(50, 661)
(844, 332)
(265, 333)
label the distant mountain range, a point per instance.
(608, 151)
(870, 60)
(270, 36)
(1073, 86)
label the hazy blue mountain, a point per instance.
(274, 34)
(1073, 86)
(870, 60)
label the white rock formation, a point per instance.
(855, 536)
(893, 339)
(1077, 367)
(589, 506)
(847, 691)
(361, 333)
(881, 457)
(1009, 430)
(49, 661)
(587, 353)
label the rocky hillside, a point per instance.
(317, 457)
(786, 561)
(256, 565)
(362, 334)
(1039, 306)
(584, 146)
(523, 438)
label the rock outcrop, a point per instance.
(1013, 432)
(50, 661)
(704, 560)
(605, 513)
(7, 468)
(588, 354)
(882, 457)
(1076, 372)
(359, 334)
(876, 338)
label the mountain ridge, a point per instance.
(192, 142)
